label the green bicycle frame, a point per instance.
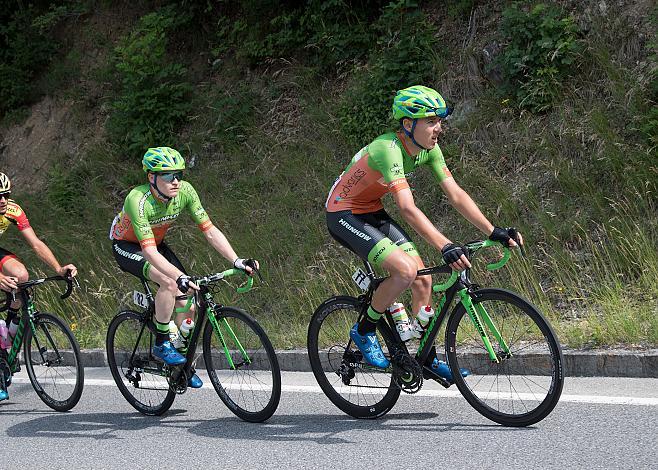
(476, 312)
(18, 339)
(217, 325)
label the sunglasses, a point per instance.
(170, 177)
(5, 195)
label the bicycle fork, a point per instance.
(223, 324)
(478, 315)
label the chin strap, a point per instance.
(410, 134)
(154, 185)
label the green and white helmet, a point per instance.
(418, 102)
(157, 159)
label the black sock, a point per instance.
(162, 334)
(368, 323)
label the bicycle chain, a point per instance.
(407, 373)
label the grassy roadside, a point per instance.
(579, 181)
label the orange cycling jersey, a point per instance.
(13, 216)
(377, 169)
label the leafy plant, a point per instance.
(404, 56)
(541, 50)
(153, 97)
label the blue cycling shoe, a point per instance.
(4, 395)
(195, 382)
(369, 346)
(442, 369)
(168, 354)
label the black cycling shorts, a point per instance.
(130, 258)
(372, 236)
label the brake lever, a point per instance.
(252, 264)
(514, 233)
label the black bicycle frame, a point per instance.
(427, 341)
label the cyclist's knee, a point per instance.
(405, 271)
(168, 285)
(21, 274)
(423, 283)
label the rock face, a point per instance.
(28, 150)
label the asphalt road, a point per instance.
(599, 423)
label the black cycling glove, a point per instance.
(452, 253)
(183, 283)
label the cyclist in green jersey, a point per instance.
(356, 217)
(12, 271)
(138, 245)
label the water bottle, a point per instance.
(423, 318)
(186, 328)
(174, 336)
(401, 320)
(184, 333)
(5, 341)
(13, 328)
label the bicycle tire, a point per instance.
(53, 363)
(252, 388)
(141, 379)
(519, 399)
(321, 345)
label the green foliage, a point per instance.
(650, 124)
(24, 51)
(324, 33)
(404, 56)
(541, 50)
(67, 187)
(153, 97)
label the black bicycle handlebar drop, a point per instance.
(11, 296)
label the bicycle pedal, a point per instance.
(429, 374)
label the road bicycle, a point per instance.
(50, 351)
(513, 356)
(237, 354)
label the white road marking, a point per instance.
(452, 393)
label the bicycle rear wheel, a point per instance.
(141, 378)
(242, 365)
(524, 387)
(354, 386)
(52, 360)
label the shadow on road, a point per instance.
(318, 428)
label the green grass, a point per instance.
(580, 182)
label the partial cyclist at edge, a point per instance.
(356, 217)
(12, 271)
(138, 233)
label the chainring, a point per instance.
(407, 373)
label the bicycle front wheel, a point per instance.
(140, 377)
(52, 360)
(242, 365)
(353, 385)
(526, 384)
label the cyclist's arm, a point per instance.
(418, 220)
(220, 243)
(43, 252)
(460, 200)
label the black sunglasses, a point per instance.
(5, 195)
(169, 177)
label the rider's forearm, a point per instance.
(471, 212)
(424, 227)
(160, 263)
(219, 242)
(43, 252)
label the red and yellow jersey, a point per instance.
(13, 216)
